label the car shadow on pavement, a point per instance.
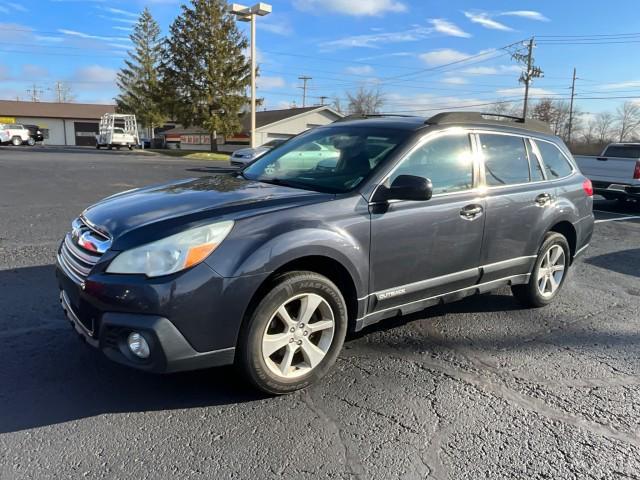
(49, 376)
(624, 261)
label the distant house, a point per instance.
(270, 124)
(61, 123)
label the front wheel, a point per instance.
(31, 142)
(294, 335)
(549, 272)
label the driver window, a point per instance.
(447, 161)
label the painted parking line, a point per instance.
(612, 213)
(621, 219)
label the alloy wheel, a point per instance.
(551, 271)
(298, 336)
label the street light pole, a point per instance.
(248, 14)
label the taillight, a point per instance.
(587, 186)
(636, 171)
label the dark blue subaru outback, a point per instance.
(338, 228)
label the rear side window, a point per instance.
(632, 151)
(505, 159)
(555, 163)
(447, 161)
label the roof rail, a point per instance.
(364, 116)
(496, 119)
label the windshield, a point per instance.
(118, 130)
(335, 159)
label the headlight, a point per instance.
(173, 253)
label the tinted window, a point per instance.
(555, 163)
(505, 160)
(447, 161)
(333, 159)
(632, 151)
(535, 165)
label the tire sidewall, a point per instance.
(285, 288)
(551, 239)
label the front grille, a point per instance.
(81, 250)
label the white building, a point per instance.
(270, 124)
(61, 123)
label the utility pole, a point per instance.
(573, 93)
(304, 79)
(529, 74)
(322, 99)
(35, 93)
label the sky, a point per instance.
(404, 48)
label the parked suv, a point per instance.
(269, 267)
(15, 135)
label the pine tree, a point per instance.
(139, 80)
(207, 70)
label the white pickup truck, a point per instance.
(616, 173)
(15, 134)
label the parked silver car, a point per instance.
(244, 156)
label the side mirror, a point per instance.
(406, 187)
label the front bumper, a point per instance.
(170, 351)
(191, 320)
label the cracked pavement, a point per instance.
(476, 389)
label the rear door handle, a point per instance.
(543, 199)
(471, 212)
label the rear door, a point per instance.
(421, 249)
(519, 201)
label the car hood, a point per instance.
(251, 151)
(177, 204)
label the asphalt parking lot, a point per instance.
(477, 389)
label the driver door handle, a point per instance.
(471, 212)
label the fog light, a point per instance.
(138, 345)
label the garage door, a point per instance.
(85, 133)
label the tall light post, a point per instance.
(248, 14)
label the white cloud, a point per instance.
(442, 56)
(269, 83)
(128, 21)
(277, 28)
(360, 70)
(4, 10)
(492, 70)
(75, 33)
(455, 80)
(621, 85)
(120, 46)
(528, 14)
(119, 11)
(428, 104)
(444, 26)
(95, 73)
(47, 38)
(484, 19)
(385, 55)
(352, 7)
(374, 39)
(123, 29)
(533, 91)
(34, 72)
(13, 7)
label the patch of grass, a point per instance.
(191, 155)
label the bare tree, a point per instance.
(589, 134)
(627, 120)
(364, 101)
(604, 123)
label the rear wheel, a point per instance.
(16, 141)
(294, 335)
(549, 272)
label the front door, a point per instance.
(421, 249)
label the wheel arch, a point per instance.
(566, 228)
(324, 265)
